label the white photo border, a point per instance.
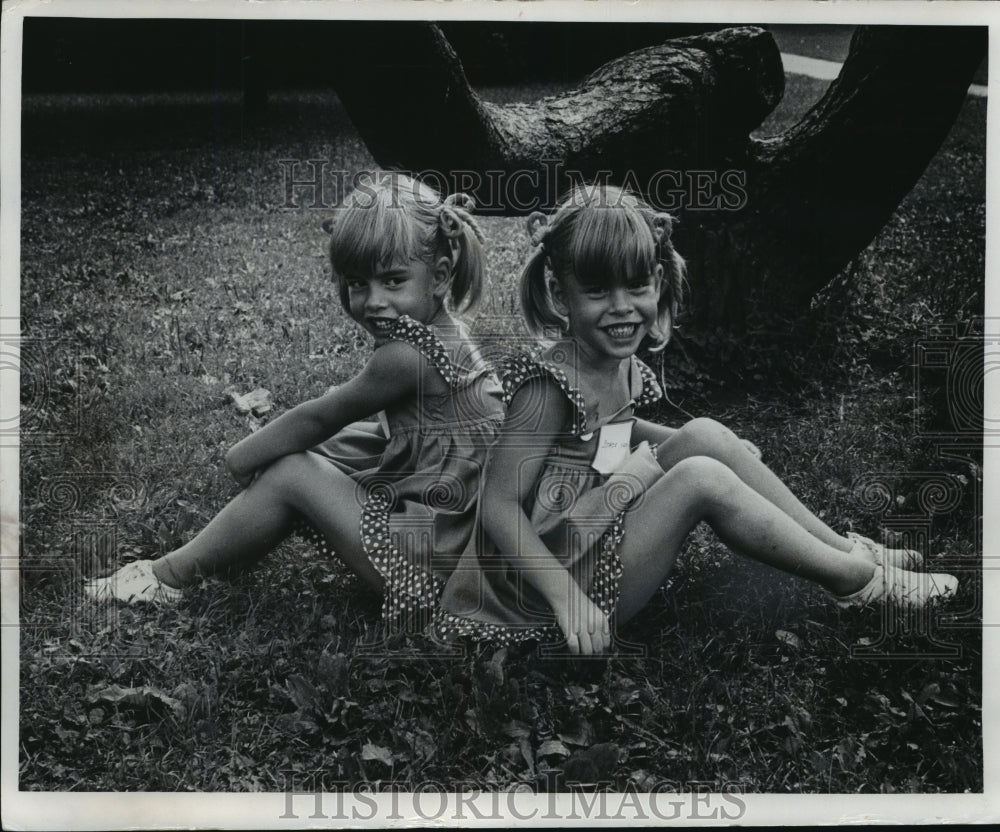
(162, 810)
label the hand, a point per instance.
(586, 627)
(752, 448)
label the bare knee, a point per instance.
(699, 437)
(705, 435)
(285, 473)
(707, 482)
(699, 468)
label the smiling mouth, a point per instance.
(381, 325)
(622, 331)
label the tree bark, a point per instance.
(820, 192)
(689, 103)
(798, 206)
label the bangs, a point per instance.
(371, 234)
(611, 247)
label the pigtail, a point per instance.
(674, 274)
(466, 248)
(460, 200)
(662, 225)
(538, 228)
(536, 300)
(329, 226)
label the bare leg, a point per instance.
(255, 521)
(700, 488)
(706, 437)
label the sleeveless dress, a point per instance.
(419, 469)
(591, 476)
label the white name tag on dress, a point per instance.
(383, 420)
(614, 442)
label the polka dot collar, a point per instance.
(425, 341)
(517, 369)
(651, 391)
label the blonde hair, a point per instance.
(401, 219)
(600, 235)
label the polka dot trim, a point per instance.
(408, 589)
(651, 391)
(604, 591)
(518, 369)
(449, 627)
(308, 532)
(423, 339)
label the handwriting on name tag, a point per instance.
(613, 446)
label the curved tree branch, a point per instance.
(821, 191)
(814, 196)
(688, 103)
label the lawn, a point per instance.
(162, 271)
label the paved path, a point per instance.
(828, 70)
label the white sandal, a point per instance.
(134, 583)
(899, 586)
(880, 553)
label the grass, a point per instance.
(160, 271)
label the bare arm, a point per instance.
(650, 432)
(392, 373)
(658, 434)
(536, 414)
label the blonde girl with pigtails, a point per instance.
(585, 506)
(395, 496)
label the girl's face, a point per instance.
(611, 319)
(404, 288)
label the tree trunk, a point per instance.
(776, 219)
(820, 192)
(687, 104)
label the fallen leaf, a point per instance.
(553, 747)
(376, 752)
(528, 757)
(145, 697)
(819, 762)
(257, 402)
(301, 691)
(788, 638)
(471, 720)
(516, 729)
(643, 780)
(943, 701)
(185, 692)
(494, 667)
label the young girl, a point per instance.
(395, 499)
(585, 507)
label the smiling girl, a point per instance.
(585, 507)
(395, 497)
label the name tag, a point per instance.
(613, 447)
(383, 420)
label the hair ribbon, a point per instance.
(663, 227)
